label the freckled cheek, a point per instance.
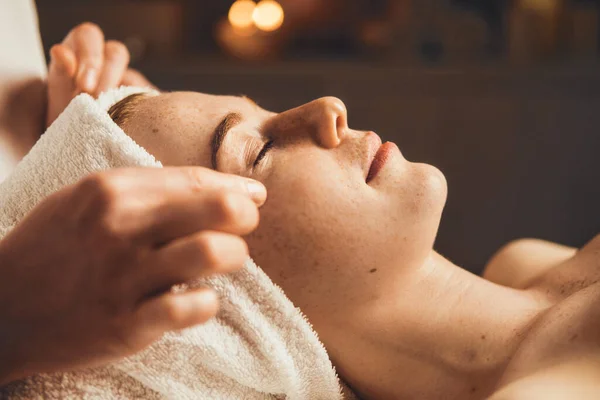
(302, 248)
(285, 244)
(278, 243)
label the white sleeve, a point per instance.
(21, 50)
(22, 62)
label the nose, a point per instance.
(324, 120)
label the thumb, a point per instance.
(61, 81)
(63, 61)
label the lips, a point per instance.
(373, 146)
(381, 157)
(377, 155)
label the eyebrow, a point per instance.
(230, 120)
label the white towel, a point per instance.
(258, 347)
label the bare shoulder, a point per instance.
(523, 260)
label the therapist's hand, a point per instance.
(85, 278)
(85, 63)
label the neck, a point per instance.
(445, 334)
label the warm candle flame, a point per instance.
(268, 15)
(241, 14)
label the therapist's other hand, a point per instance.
(85, 63)
(86, 277)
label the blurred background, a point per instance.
(502, 95)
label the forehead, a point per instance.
(184, 121)
(195, 112)
(187, 104)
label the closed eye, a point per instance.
(263, 152)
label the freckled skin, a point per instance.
(358, 259)
(312, 239)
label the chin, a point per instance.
(428, 194)
(423, 200)
(429, 186)
(436, 182)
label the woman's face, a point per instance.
(335, 243)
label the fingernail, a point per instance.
(257, 191)
(89, 79)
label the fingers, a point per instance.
(87, 41)
(99, 65)
(116, 60)
(63, 61)
(176, 311)
(61, 85)
(228, 212)
(133, 77)
(153, 206)
(196, 179)
(203, 199)
(189, 181)
(188, 259)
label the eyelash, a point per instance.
(263, 152)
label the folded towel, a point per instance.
(258, 347)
